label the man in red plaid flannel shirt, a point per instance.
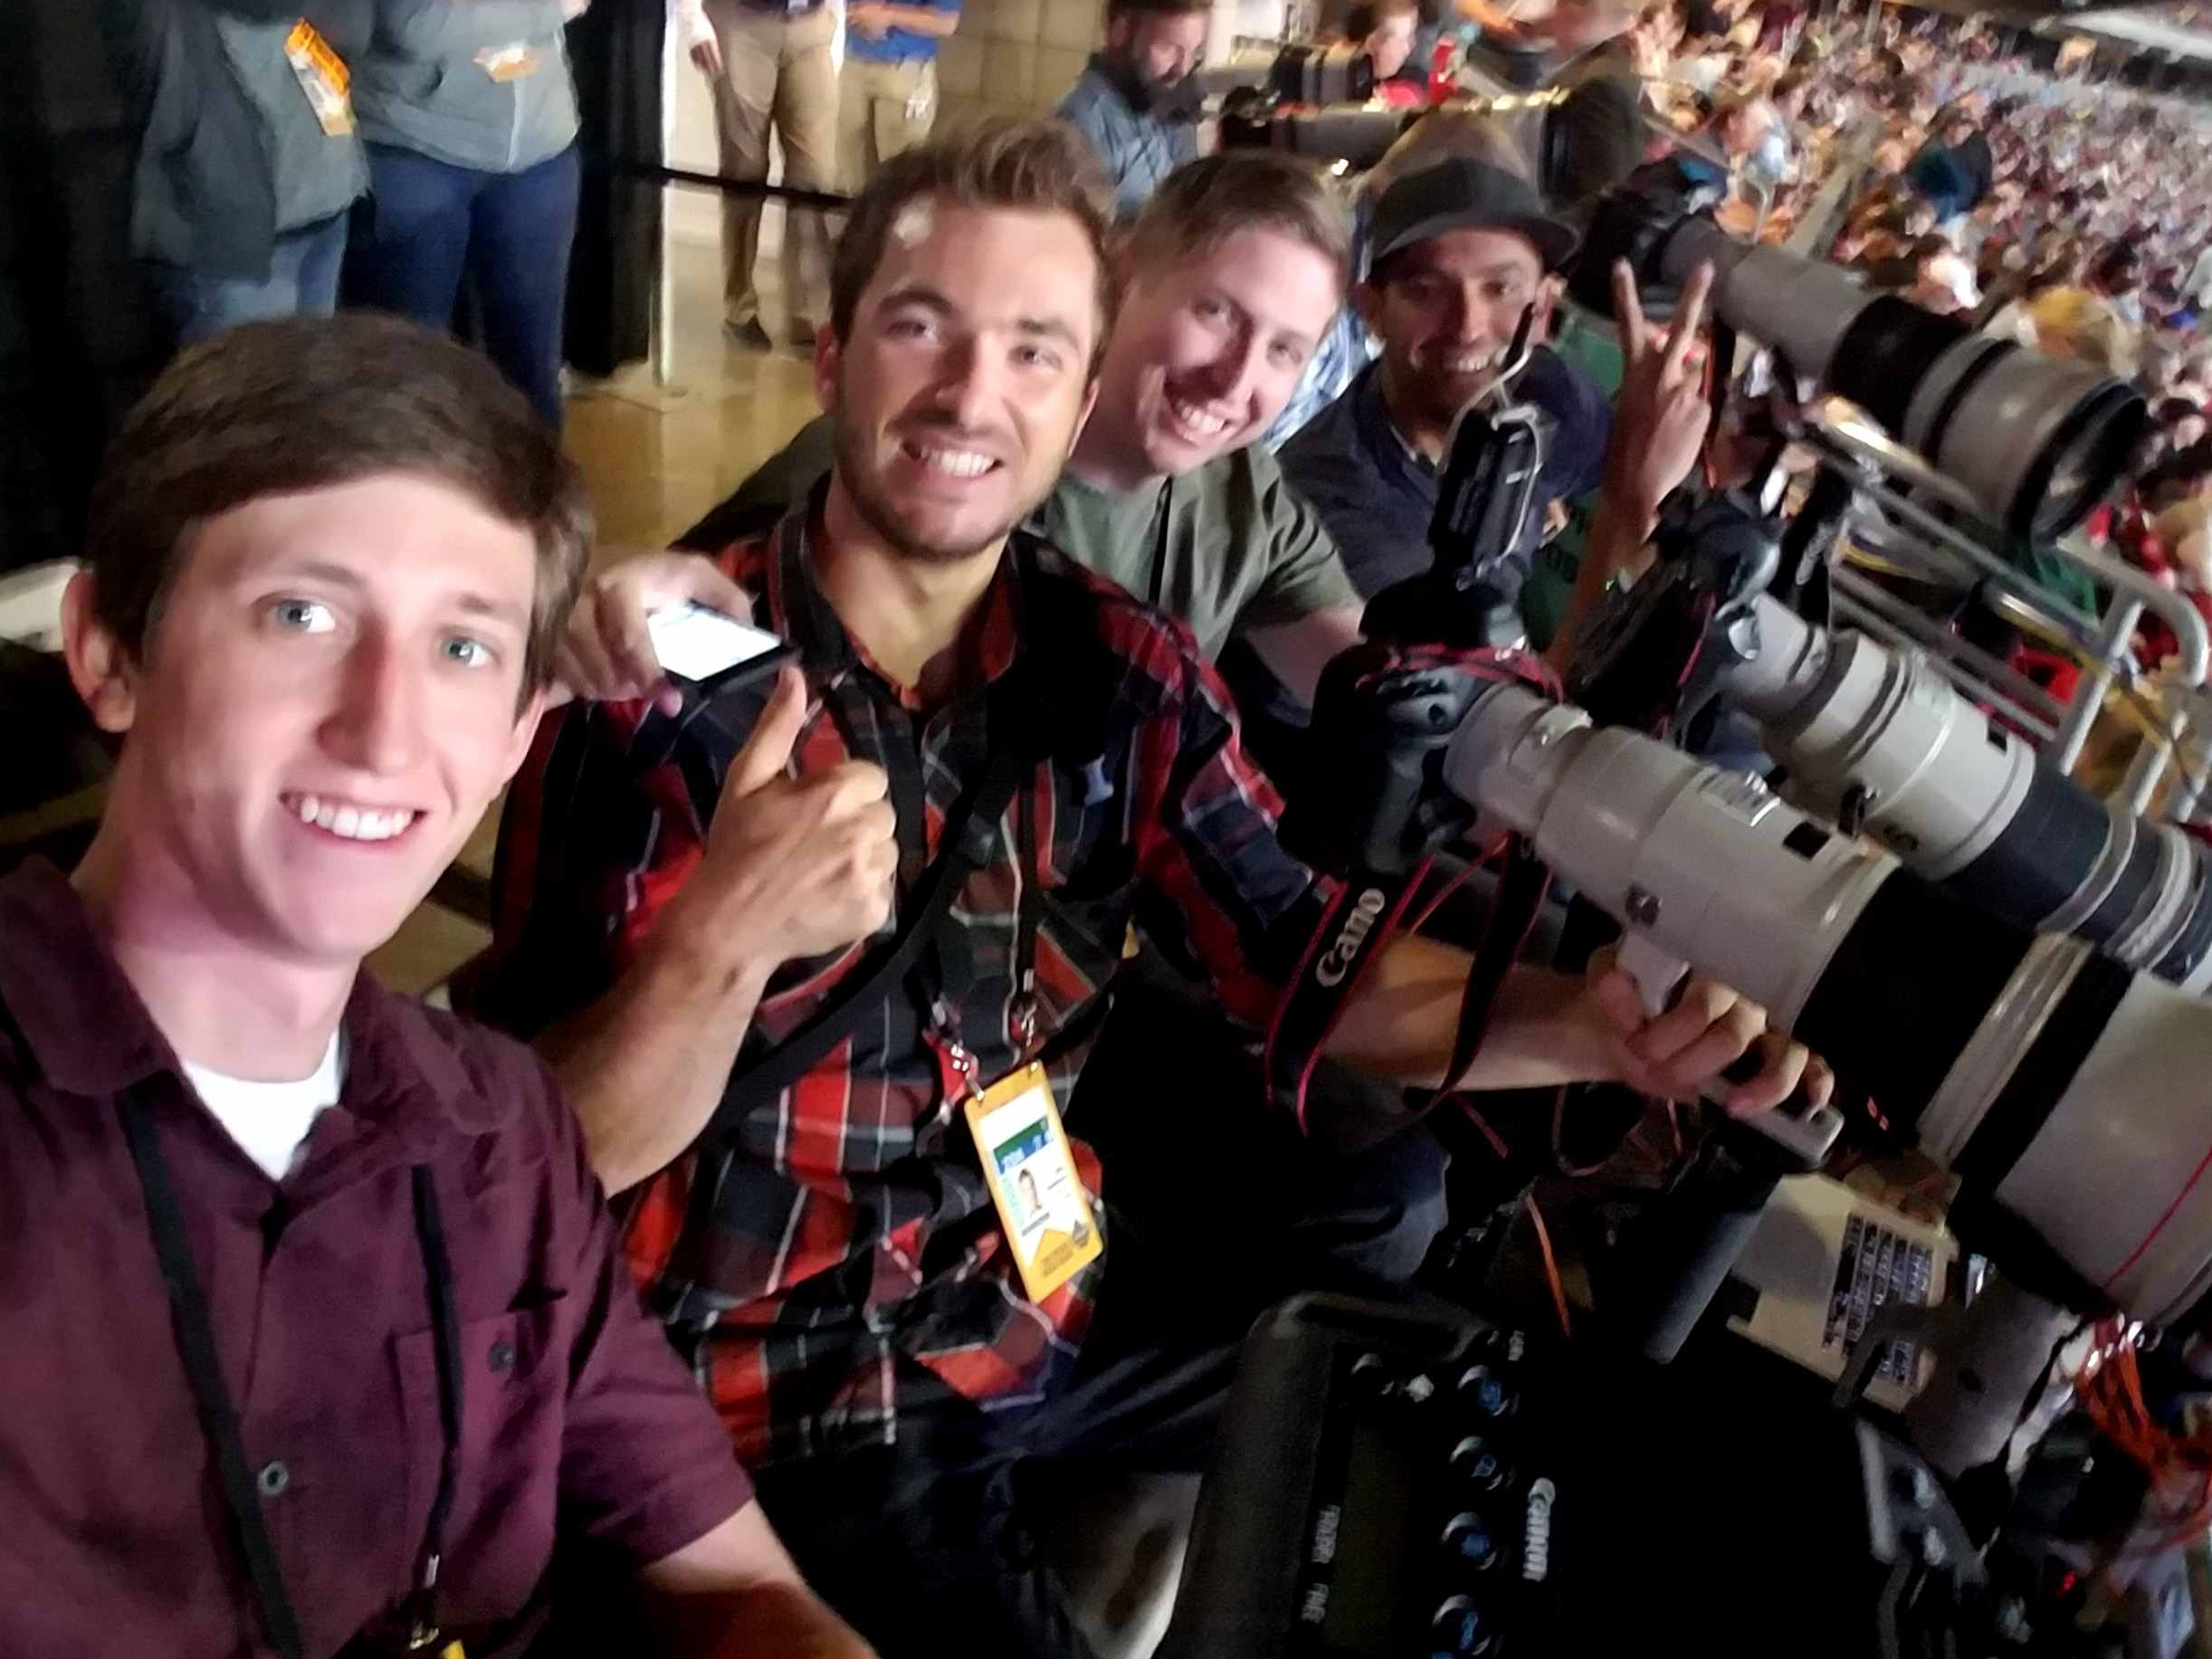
(681, 893)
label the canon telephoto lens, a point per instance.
(2035, 441)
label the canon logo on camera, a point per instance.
(1536, 1540)
(1337, 960)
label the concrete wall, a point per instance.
(1016, 56)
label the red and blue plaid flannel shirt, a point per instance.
(837, 1260)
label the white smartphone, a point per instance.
(712, 650)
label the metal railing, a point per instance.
(1894, 527)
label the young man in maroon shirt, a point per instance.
(318, 1336)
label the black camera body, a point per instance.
(1383, 717)
(1386, 710)
(1398, 1480)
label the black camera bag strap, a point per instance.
(961, 853)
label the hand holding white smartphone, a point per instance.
(712, 651)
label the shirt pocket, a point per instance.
(514, 1388)
(1088, 883)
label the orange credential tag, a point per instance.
(1042, 1203)
(323, 77)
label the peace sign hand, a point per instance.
(1661, 417)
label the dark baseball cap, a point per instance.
(1461, 194)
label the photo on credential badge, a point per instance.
(1043, 1208)
(1040, 1199)
(1042, 1196)
(1019, 1161)
(1031, 1205)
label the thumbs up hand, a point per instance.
(795, 866)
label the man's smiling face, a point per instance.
(1209, 348)
(967, 375)
(327, 703)
(1447, 309)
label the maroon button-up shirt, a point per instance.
(577, 1418)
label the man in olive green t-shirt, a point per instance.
(1233, 272)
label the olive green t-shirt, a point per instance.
(1229, 545)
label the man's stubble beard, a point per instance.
(1147, 92)
(1161, 92)
(878, 514)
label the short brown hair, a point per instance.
(1002, 162)
(1203, 202)
(276, 409)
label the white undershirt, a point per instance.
(270, 1121)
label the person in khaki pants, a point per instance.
(769, 61)
(887, 99)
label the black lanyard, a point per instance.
(195, 1344)
(1014, 726)
(1032, 877)
(1164, 516)
(1008, 725)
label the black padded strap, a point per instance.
(985, 800)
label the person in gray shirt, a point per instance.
(248, 159)
(1128, 104)
(470, 119)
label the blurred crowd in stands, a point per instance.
(2075, 216)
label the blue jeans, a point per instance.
(429, 225)
(302, 282)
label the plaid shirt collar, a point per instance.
(800, 611)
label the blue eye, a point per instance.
(302, 617)
(467, 651)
